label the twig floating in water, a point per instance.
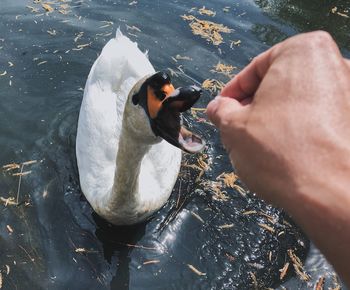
(47, 7)
(151, 262)
(197, 217)
(320, 283)
(141, 247)
(196, 271)
(207, 29)
(298, 266)
(8, 201)
(10, 229)
(213, 85)
(19, 184)
(227, 226)
(268, 228)
(204, 11)
(284, 271)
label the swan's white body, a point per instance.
(126, 173)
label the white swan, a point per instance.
(126, 169)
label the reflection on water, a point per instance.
(52, 240)
(304, 16)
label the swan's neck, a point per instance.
(128, 163)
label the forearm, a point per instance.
(285, 118)
(321, 206)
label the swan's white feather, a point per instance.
(115, 72)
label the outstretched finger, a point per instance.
(222, 110)
(245, 84)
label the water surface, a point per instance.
(52, 239)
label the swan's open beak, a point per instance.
(168, 125)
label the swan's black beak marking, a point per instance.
(164, 105)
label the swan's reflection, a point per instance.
(117, 243)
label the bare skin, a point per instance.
(285, 122)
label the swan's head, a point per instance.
(162, 104)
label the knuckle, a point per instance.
(319, 40)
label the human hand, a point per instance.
(286, 115)
(285, 122)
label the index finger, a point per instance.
(245, 84)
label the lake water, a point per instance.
(209, 235)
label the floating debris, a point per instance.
(11, 166)
(267, 227)
(133, 28)
(207, 29)
(26, 252)
(22, 173)
(284, 271)
(80, 250)
(235, 43)
(302, 275)
(226, 226)
(141, 247)
(230, 257)
(224, 69)
(255, 281)
(107, 24)
(10, 229)
(201, 165)
(30, 162)
(8, 201)
(179, 57)
(80, 35)
(196, 271)
(33, 9)
(334, 10)
(45, 193)
(52, 32)
(47, 7)
(151, 262)
(320, 283)
(81, 46)
(298, 266)
(229, 179)
(249, 212)
(204, 11)
(173, 72)
(197, 217)
(64, 9)
(7, 269)
(336, 282)
(216, 188)
(213, 85)
(42, 62)
(226, 9)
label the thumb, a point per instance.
(222, 111)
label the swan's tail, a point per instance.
(119, 60)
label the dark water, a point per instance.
(52, 240)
